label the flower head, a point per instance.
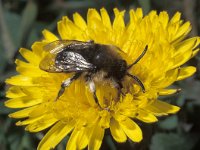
(76, 113)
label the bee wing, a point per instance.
(57, 46)
(72, 62)
(67, 62)
(48, 64)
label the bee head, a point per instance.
(121, 70)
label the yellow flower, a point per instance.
(75, 113)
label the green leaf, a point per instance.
(110, 143)
(25, 142)
(73, 5)
(62, 144)
(28, 19)
(3, 109)
(14, 141)
(35, 33)
(181, 99)
(169, 123)
(190, 90)
(3, 60)
(172, 141)
(145, 4)
(20, 140)
(13, 24)
(7, 43)
(6, 125)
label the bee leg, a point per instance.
(66, 83)
(93, 90)
(118, 85)
(92, 87)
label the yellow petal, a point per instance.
(133, 17)
(79, 21)
(187, 45)
(170, 77)
(22, 113)
(15, 92)
(186, 72)
(146, 116)
(40, 110)
(176, 18)
(29, 56)
(131, 129)
(29, 121)
(93, 19)
(37, 120)
(105, 119)
(160, 108)
(37, 48)
(164, 18)
(82, 139)
(28, 69)
(183, 30)
(49, 36)
(72, 142)
(168, 91)
(139, 13)
(96, 138)
(31, 91)
(117, 132)
(41, 124)
(21, 80)
(118, 23)
(181, 59)
(74, 31)
(22, 102)
(195, 52)
(55, 135)
(105, 18)
(152, 14)
(92, 13)
(62, 30)
(79, 138)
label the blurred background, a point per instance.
(21, 23)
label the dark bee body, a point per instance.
(101, 58)
(89, 59)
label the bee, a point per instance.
(91, 60)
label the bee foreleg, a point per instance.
(66, 83)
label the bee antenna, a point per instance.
(139, 82)
(140, 57)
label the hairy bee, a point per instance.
(88, 59)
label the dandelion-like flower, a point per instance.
(76, 113)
